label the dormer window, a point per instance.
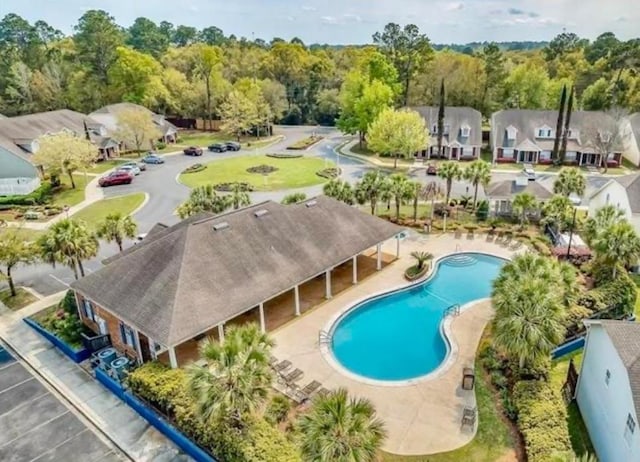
(465, 131)
(605, 137)
(445, 130)
(544, 132)
(511, 132)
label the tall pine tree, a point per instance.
(567, 123)
(556, 142)
(441, 119)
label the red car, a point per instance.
(114, 178)
(193, 151)
(432, 169)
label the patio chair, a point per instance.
(458, 233)
(311, 387)
(499, 237)
(468, 417)
(516, 245)
(296, 374)
(491, 234)
(272, 360)
(506, 241)
(323, 392)
(282, 365)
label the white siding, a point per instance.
(605, 407)
(18, 186)
(614, 194)
(631, 148)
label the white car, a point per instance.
(133, 170)
(529, 172)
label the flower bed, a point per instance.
(329, 173)
(228, 187)
(413, 273)
(305, 143)
(263, 169)
(283, 155)
(194, 168)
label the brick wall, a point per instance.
(113, 327)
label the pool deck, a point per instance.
(423, 417)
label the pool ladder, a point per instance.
(324, 338)
(453, 310)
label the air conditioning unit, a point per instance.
(119, 367)
(106, 357)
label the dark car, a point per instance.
(193, 151)
(115, 178)
(152, 158)
(233, 146)
(218, 147)
(432, 169)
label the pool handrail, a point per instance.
(453, 310)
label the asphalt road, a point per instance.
(160, 183)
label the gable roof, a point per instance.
(509, 188)
(456, 117)
(528, 121)
(634, 121)
(631, 183)
(183, 280)
(108, 116)
(625, 336)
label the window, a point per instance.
(127, 335)
(465, 131)
(434, 129)
(607, 201)
(445, 130)
(629, 429)
(89, 313)
(511, 132)
(607, 377)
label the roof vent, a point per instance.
(311, 203)
(260, 213)
(220, 226)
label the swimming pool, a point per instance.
(397, 336)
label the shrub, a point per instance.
(161, 145)
(263, 169)
(305, 142)
(284, 155)
(194, 168)
(277, 410)
(542, 419)
(329, 173)
(483, 210)
(62, 320)
(294, 198)
(228, 187)
(41, 195)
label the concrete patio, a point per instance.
(421, 418)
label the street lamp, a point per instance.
(575, 201)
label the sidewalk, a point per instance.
(120, 423)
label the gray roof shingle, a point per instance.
(456, 117)
(509, 188)
(625, 336)
(185, 279)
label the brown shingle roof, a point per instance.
(625, 336)
(455, 117)
(188, 278)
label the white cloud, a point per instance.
(454, 6)
(308, 8)
(349, 17)
(329, 19)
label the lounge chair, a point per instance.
(272, 360)
(468, 417)
(323, 392)
(282, 365)
(491, 234)
(296, 374)
(516, 245)
(311, 387)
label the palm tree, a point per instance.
(116, 227)
(68, 242)
(416, 188)
(618, 244)
(339, 429)
(237, 378)
(449, 171)
(522, 204)
(401, 190)
(238, 197)
(477, 173)
(604, 217)
(339, 190)
(531, 296)
(557, 213)
(202, 199)
(431, 191)
(14, 250)
(421, 258)
(570, 180)
(369, 189)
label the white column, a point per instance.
(263, 326)
(398, 246)
(172, 358)
(221, 332)
(138, 348)
(355, 269)
(327, 277)
(379, 262)
(296, 291)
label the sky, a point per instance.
(354, 21)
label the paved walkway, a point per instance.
(423, 417)
(120, 423)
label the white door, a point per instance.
(102, 325)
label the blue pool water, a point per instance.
(397, 336)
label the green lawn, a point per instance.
(22, 299)
(68, 196)
(491, 442)
(556, 168)
(24, 233)
(292, 173)
(101, 167)
(96, 212)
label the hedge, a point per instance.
(195, 168)
(284, 156)
(305, 143)
(166, 389)
(542, 420)
(39, 196)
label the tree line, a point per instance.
(182, 71)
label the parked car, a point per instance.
(152, 158)
(193, 151)
(218, 147)
(233, 146)
(432, 169)
(134, 170)
(141, 165)
(116, 178)
(529, 172)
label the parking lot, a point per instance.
(37, 426)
